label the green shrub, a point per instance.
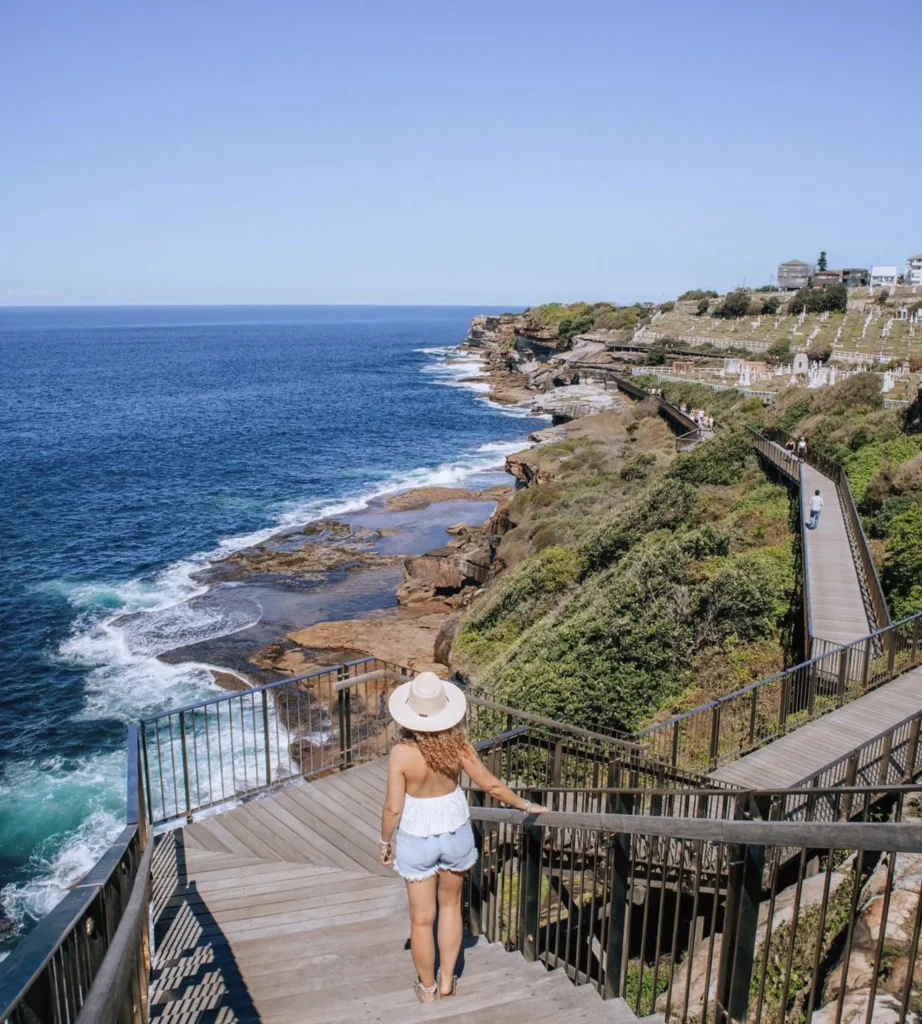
(867, 462)
(902, 575)
(638, 467)
(735, 304)
(667, 505)
(721, 460)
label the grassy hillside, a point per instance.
(571, 319)
(642, 582)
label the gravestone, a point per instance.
(801, 363)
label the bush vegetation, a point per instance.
(683, 581)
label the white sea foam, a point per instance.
(66, 814)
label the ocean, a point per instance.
(138, 445)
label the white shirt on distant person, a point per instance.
(816, 503)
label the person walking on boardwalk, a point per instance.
(816, 506)
(435, 841)
(801, 448)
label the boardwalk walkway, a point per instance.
(278, 911)
(837, 606)
(838, 615)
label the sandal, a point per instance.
(438, 985)
(426, 995)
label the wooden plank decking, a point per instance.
(837, 607)
(279, 911)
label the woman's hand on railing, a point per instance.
(532, 808)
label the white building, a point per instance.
(883, 277)
(913, 270)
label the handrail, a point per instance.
(49, 973)
(573, 730)
(666, 409)
(856, 835)
(223, 698)
(783, 461)
(778, 675)
(839, 675)
(104, 1002)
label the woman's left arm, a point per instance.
(393, 804)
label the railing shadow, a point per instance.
(184, 926)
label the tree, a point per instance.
(703, 305)
(770, 305)
(821, 263)
(735, 304)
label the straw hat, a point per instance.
(427, 704)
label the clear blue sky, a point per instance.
(461, 152)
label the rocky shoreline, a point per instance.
(392, 580)
(391, 575)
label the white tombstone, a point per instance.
(888, 383)
(745, 379)
(801, 363)
(733, 365)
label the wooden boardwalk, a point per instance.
(838, 614)
(801, 754)
(278, 911)
(837, 607)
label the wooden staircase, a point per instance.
(278, 911)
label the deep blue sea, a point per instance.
(138, 444)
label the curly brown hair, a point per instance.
(442, 751)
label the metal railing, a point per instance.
(867, 570)
(49, 977)
(678, 421)
(790, 470)
(735, 724)
(239, 744)
(623, 902)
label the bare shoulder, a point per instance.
(402, 755)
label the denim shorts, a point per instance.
(420, 857)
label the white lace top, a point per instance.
(433, 815)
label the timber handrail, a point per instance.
(573, 730)
(111, 989)
(860, 835)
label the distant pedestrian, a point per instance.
(801, 448)
(816, 506)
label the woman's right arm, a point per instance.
(481, 776)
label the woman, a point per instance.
(435, 842)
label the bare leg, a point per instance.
(421, 897)
(450, 883)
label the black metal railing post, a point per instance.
(475, 884)
(531, 898)
(185, 766)
(741, 920)
(619, 880)
(268, 758)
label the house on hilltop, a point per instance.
(794, 275)
(851, 277)
(913, 271)
(884, 277)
